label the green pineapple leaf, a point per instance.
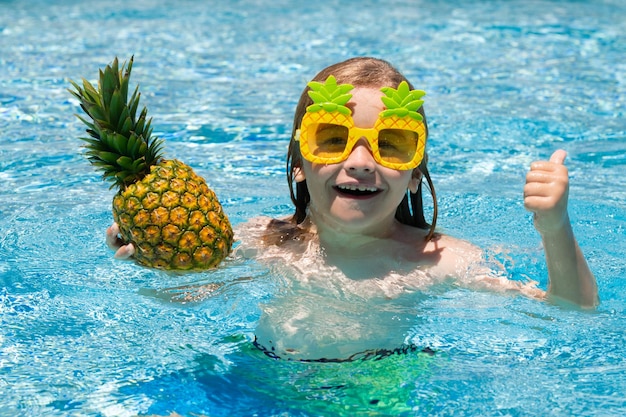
(402, 101)
(389, 102)
(317, 97)
(342, 100)
(329, 96)
(115, 128)
(341, 90)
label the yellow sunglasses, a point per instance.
(327, 134)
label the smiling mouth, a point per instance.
(357, 190)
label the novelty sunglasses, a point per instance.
(327, 134)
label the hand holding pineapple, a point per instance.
(167, 215)
(114, 242)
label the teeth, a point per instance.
(362, 188)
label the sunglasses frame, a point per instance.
(355, 134)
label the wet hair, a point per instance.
(360, 72)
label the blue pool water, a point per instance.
(82, 334)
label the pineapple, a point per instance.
(401, 112)
(162, 207)
(329, 103)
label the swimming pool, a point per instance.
(508, 82)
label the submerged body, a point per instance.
(357, 300)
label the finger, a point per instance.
(533, 204)
(535, 189)
(125, 252)
(538, 203)
(539, 176)
(544, 171)
(112, 239)
(558, 157)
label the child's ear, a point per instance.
(414, 182)
(298, 174)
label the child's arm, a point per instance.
(545, 194)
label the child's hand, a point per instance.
(114, 242)
(546, 192)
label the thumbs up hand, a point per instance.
(546, 192)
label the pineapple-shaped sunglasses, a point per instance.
(172, 217)
(328, 134)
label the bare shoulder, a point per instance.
(465, 262)
(264, 232)
(270, 231)
(454, 256)
(453, 244)
(249, 235)
(253, 224)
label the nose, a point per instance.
(361, 158)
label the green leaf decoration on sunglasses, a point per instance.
(329, 96)
(402, 101)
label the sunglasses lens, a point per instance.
(328, 141)
(397, 146)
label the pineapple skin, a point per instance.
(173, 219)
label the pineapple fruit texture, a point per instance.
(174, 220)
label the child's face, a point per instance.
(357, 195)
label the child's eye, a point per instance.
(328, 135)
(334, 140)
(397, 141)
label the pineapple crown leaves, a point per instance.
(329, 96)
(120, 143)
(402, 101)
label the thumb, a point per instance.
(558, 157)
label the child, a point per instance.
(358, 237)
